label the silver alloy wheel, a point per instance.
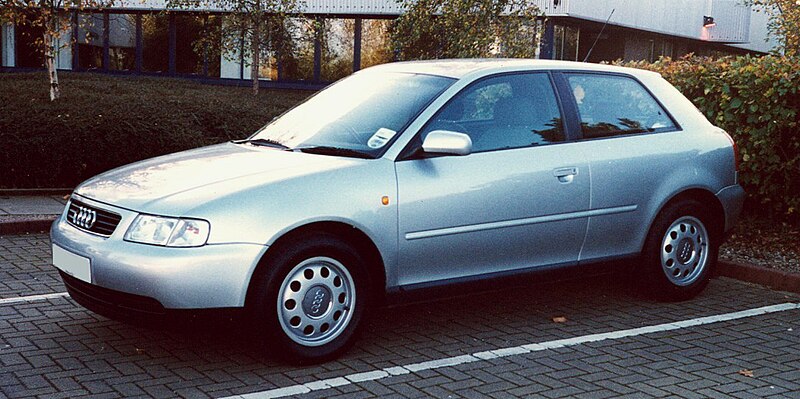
(684, 251)
(316, 301)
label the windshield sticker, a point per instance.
(381, 137)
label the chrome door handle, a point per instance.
(565, 175)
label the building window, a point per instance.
(282, 43)
(566, 41)
(375, 47)
(155, 43)
(337, 48)
(660, 48)
(29, 53)
(90, 41)
(297, 61)
(193, 51)
(122, 42)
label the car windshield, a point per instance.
(357, 116)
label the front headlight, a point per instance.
(170, 232)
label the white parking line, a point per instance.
(32, 298)
(504, 352)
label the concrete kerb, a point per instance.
(27, 226)
(30, 210)
(7, 192)
(775, 279)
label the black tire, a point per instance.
(680, 252)
(320, 319)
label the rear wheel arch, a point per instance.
(705, 197)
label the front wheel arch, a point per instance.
(376, 271)
(307, 304)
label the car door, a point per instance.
(631, 143)
(519, 200)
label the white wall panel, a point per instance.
(676, 17)
(683, 18)
(229, 67)
(8, 46)
(759, 38)
(64, 46)
(365, 7)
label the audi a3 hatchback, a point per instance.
(404, 176)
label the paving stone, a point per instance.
(56, 348)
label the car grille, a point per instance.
(92, 219)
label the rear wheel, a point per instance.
(309, 303)
(680, 252)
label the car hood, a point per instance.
(176, 183)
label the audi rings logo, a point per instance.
(316, 304)
(83, 217)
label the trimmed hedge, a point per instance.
(105, 121)
(757, 101)
(101, 122)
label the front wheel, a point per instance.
(315, 301)
(310, 301)
(680, 252)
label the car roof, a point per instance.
(458, 68)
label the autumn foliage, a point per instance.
(433, 29)
(757, 100)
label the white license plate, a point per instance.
(75, 265)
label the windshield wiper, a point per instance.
(336, 151)
(264, 143)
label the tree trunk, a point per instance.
(50, 60)
(255, 47)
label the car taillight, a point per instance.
(735, 151)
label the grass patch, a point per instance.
(102, 121)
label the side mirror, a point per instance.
(447, 142)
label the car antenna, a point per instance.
(599, 34)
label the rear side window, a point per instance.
(611, 105)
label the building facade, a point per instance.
(140, 37)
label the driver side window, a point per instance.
(503, 112)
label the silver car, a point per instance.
(408, 176)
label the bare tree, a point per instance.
(52, 18)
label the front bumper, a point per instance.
(211, 276)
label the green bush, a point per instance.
(757, 101)
(102, 122)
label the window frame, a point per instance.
(570, 102)
(412, 150)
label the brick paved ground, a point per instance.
(25, 267)
(55, 348)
